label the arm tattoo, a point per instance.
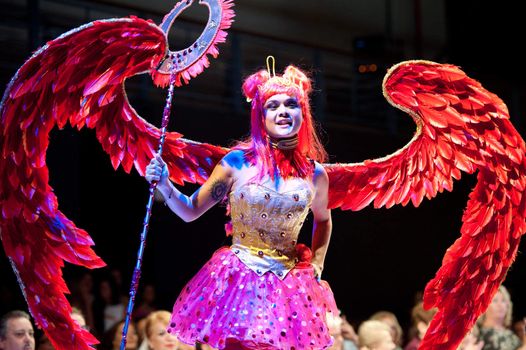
(218, 190)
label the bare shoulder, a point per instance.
(232, 162)
(234, 159)
(320, 174)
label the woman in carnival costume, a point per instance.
(264, 291)
(460, 128)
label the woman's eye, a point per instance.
(292, 104)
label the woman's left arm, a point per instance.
(322, 228)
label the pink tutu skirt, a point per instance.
(226, 303)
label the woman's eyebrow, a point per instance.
(271, 102)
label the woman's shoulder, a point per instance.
(318, 166)
(319, 172)
(236, 164)
(497, 338)
(235, 158)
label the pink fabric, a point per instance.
(228, 303)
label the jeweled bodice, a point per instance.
(266, 225)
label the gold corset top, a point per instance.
(266, 225)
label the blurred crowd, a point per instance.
(99, 305)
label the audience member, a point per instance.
(471, 341)
(334, 322)
(78, 316)
(111, 340)
(519, 327)
(375, 335)
(44, 343)
(155, 335)
(390, 319)
(81, 297)
(495, 324)
(108, 308)
(420, 319)
(343, 333)
(350, 338)
(16, 331)
(145, 302)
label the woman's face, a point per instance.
(283, 116)
(385, 342)
(498, 308)
(160, 339)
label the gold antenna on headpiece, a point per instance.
(273, 72)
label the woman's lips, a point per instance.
(284, 122)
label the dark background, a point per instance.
(378, 259)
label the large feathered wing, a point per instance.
(461, 127)
(77, 79)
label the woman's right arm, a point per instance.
(212, 191)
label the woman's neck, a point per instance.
(285, 144)
(493, 323)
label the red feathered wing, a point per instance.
(460, 127)
(76, 78)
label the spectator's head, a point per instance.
(499, 311)
(394, 326)
(108, 292)
(44, 343)
(375, 335)
(156, 335)
(334, 323)
(16, 331)
(421, 319)
(519, 327)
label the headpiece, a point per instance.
(266, 83)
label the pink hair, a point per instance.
(294, 163)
